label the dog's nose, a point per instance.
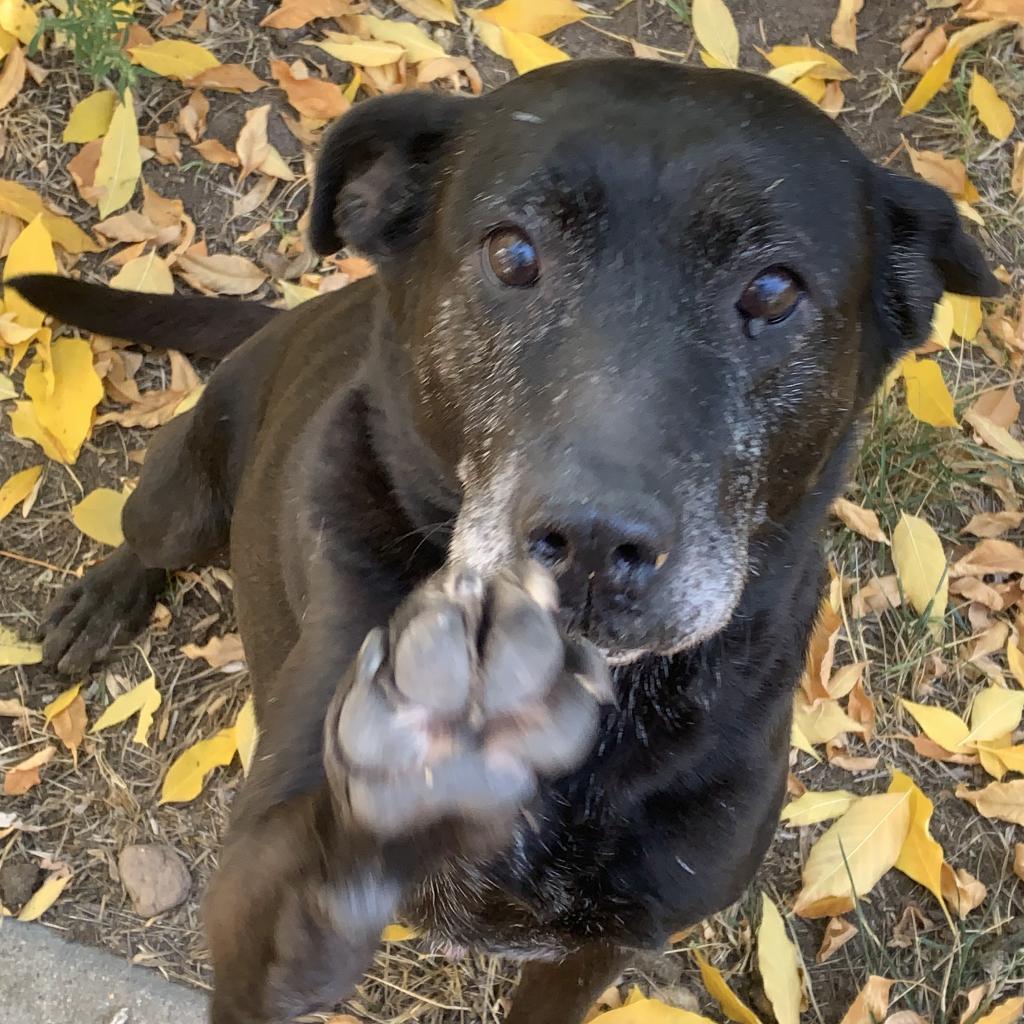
(621, 550)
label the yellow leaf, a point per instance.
(996, 712)
(827, 67)
(823, 721)
(844, 25)
(967, 315)
(31, 253)
(534, 17)
(921, 857)
(98, 515)
(871, 1004)
(352, 88)
(779, 964)
(801, 742)
(185, 778)
(398, 933)
(965, 37)
(993, 111)
(18, 652)
(174, 58)
(142, 700)
(931, 81)
(65, 413)
(61, 702)
(45, 896)
(417, 44)
(718, 988)
(120, 163)
(149, 273)
(1001, 800)
(716, 31)
(1015, 659)
(528, 52)
(649, 1011)
(18, 18)
(7, 389)
(296, 294)
(369, 53)
(1007, 1012)
(939, 725)
(863, 845)
(90, 118)
(942, 323)
(811, 88)
(17, 488)
(789, 73)
(431, 10)
(247, 734)
(813, 807)
(921, 566)
(928, 398)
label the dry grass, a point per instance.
(84, 815)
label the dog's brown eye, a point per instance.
(770, 297)
(512, 257)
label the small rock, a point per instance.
(18, 880)
(154, 876)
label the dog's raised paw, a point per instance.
(457, 710)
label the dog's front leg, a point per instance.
(435, 738)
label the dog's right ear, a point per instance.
(377, 171)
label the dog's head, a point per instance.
(638, 308)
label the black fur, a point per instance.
(347, 440)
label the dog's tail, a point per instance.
(192, 324)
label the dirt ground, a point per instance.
(85, 814)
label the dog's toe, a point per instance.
(112, 601)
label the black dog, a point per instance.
(626, 317)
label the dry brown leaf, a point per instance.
(997, 438)
(296, 13)
(961, 890)
(859, 519)
(932, 46)
(1000, 406)
(220, 274)
(861, 708)
(1018, 861)
(218, 652)
(820, 653)
(82, 168)
(990, 557)
(879, 594)
(23, 776)
(1017, 174)
(311, 97)
(844, 25)
(227, 78)
(993, 524)
(840, 758)
(872, 1003)
(1001, 800)
(216, 152)
(254, 198)
(131, 226)
(945, 172)
(838, 932)
(454, 70)
(192, 116)
(253, 146)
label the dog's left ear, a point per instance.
(378, 168)
(923, 251)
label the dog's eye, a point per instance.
(770, 297)
(512, 257)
